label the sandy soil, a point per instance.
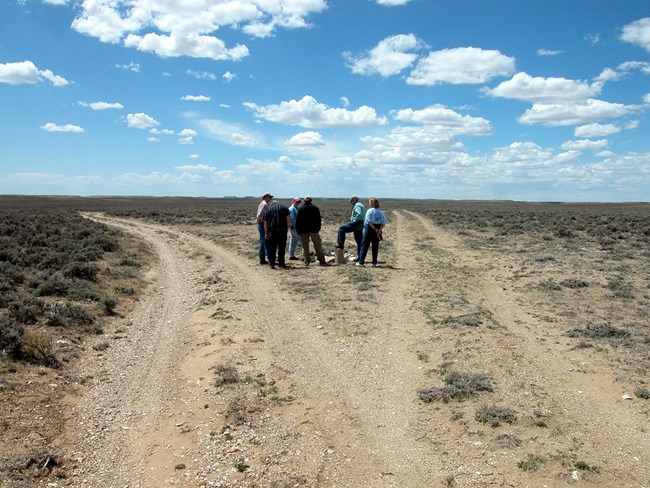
(233, 374)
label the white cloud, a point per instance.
(166, 132)
(309, 138)
(186, 140)
(595, 130)
(196, 98)
(192, 45)
(141, 121)
(442, 119)
(585, 145)
(308, 113)
(542, 90)
(392, 3)
(196, 168)
(187, 133)
(135, 67)
(152, 139)
(101, 105)
(461, 65)
(572, 113)
(56, 2)
(193, 156)
(638, 33)
(26, 73)
(228, 76)
(172, 29)
(229, 133)
(548, 52)
(50, 127)
(201, 75)
(388, 58)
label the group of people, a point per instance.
(302, 224)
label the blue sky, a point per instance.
(464, 99)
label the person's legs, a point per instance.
(375, 249)
(358, 238)
(262, 243)
(318, 246)
(271, 249)
(282, 246)
(365, 243)
(340, 236)
(304, 240)
(293, 243)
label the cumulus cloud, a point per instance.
(228, 76)
(389, 57)
(638, 33)
(548, 52)
(595, 130)
(309, 138)
(101, 105)
(308, 113)
(135, 67)
(196, 98)
(461, 65)
(172, 29)
(542, 90)
(50, 127)
(201, 75)
(586, 112)
(229, 133)
(585, 145)
(443, 119)
(141, 121)
(26, 73)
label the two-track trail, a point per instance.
(232, 374)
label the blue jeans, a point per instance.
(294, 240)
(262, 244)
(356, 228)
(370, 237)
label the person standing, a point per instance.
(294, 237)
(276, 227)
(261, 212)
(308, 224)
(355, 225)
(374, 223)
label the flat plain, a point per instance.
(497, 343)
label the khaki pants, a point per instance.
(318, 246)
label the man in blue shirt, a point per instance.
(355, 225)
(294, 238)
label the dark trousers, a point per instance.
(356, 228)
(276, 243)
(370, 238)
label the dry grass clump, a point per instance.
(458, 386)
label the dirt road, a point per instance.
(233, 374)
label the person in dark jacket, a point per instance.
(276, 228)
(308, 225)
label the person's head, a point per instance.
(307, 199)
(296, 201)
(374, 203)
(354, 199)
(267, 197)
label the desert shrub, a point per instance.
(108, 305)
(458, 386)
(494, 415)
(620, 288)
(599, 332)
(531, 463)
(55, 285)
(470, 319)
(508, 441)
(26, 309)
(83, 291)
(11, 336)
(642, 392)
(549, 285)
(68, 315)
(84, 271)
(574, 283)
(38, 347)
(226, 374)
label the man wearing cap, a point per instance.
(261, 212)
(308, 223)
(276, 227)
(355, 225)
(294, 238)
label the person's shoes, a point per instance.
(293, 258)
(373, 265)
(284, 266)
(323, 263)
(272, 266)
(358, 263)
(264, 262)
(306, 263)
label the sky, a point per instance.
(444, 99)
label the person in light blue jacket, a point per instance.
(374, 223)
(294, 238)
(355, 225)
